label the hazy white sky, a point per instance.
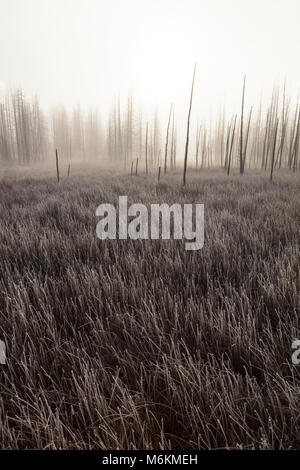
(87, 50)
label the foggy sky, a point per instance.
(70, 51)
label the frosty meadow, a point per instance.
(160, 218)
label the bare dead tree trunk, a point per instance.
(167, 139)
(296, 145)
(265, 141)
(227, 145)
(159, 157)
(57, 167)
(274, 148)
(172, 142)
(158, 177)
(136, 167)
(246, 142)
(241, 130)
(188, 129)
(256, 141)
(285, 113)
(272, 120)
(231, 146)
(129, 126)
(292, 138)
(147, 149)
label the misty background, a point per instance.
(95, 55)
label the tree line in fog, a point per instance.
(268, 137)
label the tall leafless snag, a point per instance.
(167, 139)
(296, 145)
(273, 111)
(231, 146)
(136, 167)
(147, 149)
(246, 142)
(265, 140)
(159, 158)
(172, 141)
(188, 129)
(155, 138)
(57, 166)
(256, 138)
(293, 132)
(222, 134)
(241, 129)
(285, 114)
(227, 146)
(173, 147)
(219, 139)
(274, 148)
(129, 125)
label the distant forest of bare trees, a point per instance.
(27, 135)
(266, 138)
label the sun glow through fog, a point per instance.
(164, 62)
(88, 51)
